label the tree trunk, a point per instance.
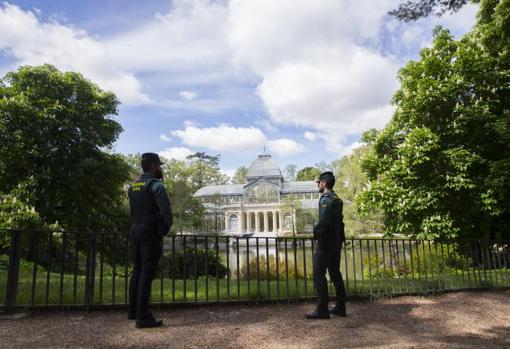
(485, 240)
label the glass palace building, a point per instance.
(264, 206)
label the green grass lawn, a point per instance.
(66, 289)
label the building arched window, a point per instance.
(287, 220)
(262, 193)
(233, 222)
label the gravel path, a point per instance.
(455, 320)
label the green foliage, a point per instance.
(249, 271)
(350, 181)
(134, 162)
(239, 176)
(204, 170)
(426, 260)
(308, 174)
(306, 219)
(16, 211)
(194, 265)
(440, 168)
(412, 10)
(292, 203)
(56, 129)
(187, 210)
(445, 257)
(24, 265)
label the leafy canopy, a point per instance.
(441, 167)
(56, 134)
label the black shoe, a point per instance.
(131, 316)
(318, 314)
(148, 323)
(339, 310)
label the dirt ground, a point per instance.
(455, 320)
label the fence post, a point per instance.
(13, 270)
(90, 274)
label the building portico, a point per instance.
(253, 221)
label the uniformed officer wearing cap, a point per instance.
(152, 216)
(329, 236)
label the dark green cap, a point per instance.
(325, 175)
(152, 157)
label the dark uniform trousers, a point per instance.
(327, 257)
(147, 249)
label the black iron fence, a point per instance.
(55, 268)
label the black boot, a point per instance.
(318, 313)
(339, 310)
(148, 321)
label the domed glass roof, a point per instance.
(264, 166)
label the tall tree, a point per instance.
(240, 175)
(309, 173)
(134, 162)
(56, 134)
(289, 173)
(323, 166)
(350, 182)
(187, 210)
(442, 165)
(205, 170)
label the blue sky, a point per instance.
(301, 78)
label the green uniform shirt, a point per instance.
(330, 217)
(152, 208)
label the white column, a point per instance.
(257, 222)
(248, 224)
(226, 221)
(241, 221)
(280, 221)
(266, 220)
(275, 220)
(294, 221)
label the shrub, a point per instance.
(273, 275)
(425, 260)
(185, 267)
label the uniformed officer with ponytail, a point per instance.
(152, 216)
(329, 236)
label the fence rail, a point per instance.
(55, 268)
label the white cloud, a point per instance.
(266, 125)
(315, 71)
(177, 153)
(320, 62)
(459, 22)
(408, 38)
(32, 42)
(189, 41)
(227, 138)
(165, 138)
(266, 33)
(222, 138)
(188, 95)
(285, 147)
(339, 94)
(230, 172)
(317, 64)
(190, 123)
(347, 150)
(311, 136)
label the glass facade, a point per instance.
(262, 193)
